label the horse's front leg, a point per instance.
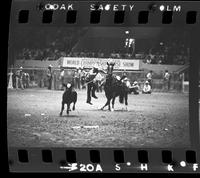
(109, 105)
(105, 105)
(68, 108)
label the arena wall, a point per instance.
(38, 78)
(157, 68)
(37, 71)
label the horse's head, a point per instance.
(110, 67)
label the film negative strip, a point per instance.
(103, 86)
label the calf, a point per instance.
(69, 96)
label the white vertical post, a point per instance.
(10, 83)
(183, 79)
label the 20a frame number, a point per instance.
(90, 168)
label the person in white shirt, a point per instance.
(27, 80)
(135, 88)
(19, 75)
(61, 77)
(98, 79)
(78, 79)
(49, 77)
(82, 77)
(166, 83)
(127, 82)
(146, 88)
(149, 77)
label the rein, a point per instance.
(95, 76)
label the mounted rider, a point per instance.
(115, 86)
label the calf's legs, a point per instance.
(62, 108)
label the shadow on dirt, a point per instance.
(106, 110)
(68, 116)
(122, 110)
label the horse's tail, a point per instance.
(121, 98)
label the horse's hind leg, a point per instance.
(126, 101)
(113, 103)
(62, 108)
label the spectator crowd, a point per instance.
(49, 54)
(61, 42)
(174, 52)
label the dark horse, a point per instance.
(69, 96)
(113, 88)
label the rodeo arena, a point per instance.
(98, 87)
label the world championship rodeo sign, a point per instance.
(120, 64)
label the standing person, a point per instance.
(149, 77)
(54, 83)
(78, 79)
(27, 80)
(61, 77)
(167, 80)
(49, 77)
(14, 79)
(75, 79)
(91, 86)
(97, 80)
(19, 78)
(24, 79)
(82, 77)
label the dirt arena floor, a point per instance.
(156, 120)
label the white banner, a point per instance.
(121, 64)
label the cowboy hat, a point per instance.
(146, 82)
(50, 65)
(135, 82)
